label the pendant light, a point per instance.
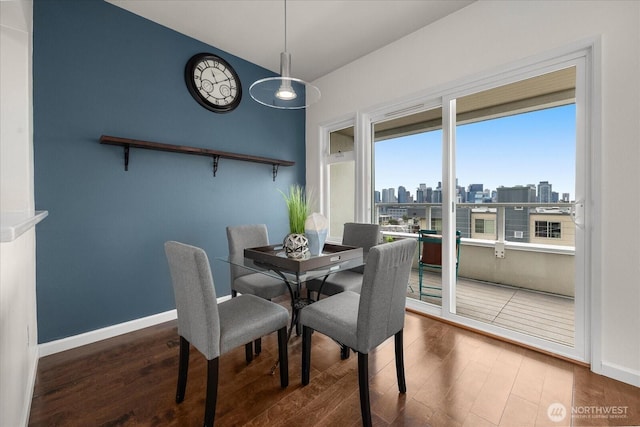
(284, 92)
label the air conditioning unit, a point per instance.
(518, 234)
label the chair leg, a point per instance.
(248, 352)
(363, 383)
(283, 357)
(402, 385)
(306, 353)
(344, 352)
(183, 368)
(258, 345)
(212, 392)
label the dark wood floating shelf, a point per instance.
(214, 154)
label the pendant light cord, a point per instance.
(285, 25)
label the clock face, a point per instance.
(213, 82)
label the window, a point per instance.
(341, 174)
(485, 226)
(549, 230)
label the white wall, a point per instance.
(18, 327)
(485, 36)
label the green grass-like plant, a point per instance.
(297, 207)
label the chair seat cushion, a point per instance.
(335, 316)
(339, 282)
(246, 318)
(260, 285)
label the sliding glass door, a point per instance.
(515, 151)
(496, 174)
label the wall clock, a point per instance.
(213, 82)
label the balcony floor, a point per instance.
(537, 314)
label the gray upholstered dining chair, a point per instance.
(245, 281)
(212, 328)
(360, 235)
(362, 322)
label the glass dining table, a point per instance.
(272, 261)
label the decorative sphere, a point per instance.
(296, 246)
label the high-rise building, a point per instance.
(544, 192)
(376, 196)
(436, 196)
(519, 193)
(391, 195)
(386, 198)
(428, 198)
(475, 193)
(403, 195)
(461, 194)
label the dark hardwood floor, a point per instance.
(454, 378)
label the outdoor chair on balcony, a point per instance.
(430, 257)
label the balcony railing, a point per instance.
(512, 222)
(534, 272)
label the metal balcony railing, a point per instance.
(524, 245)
(517, 273)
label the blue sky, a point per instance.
(516, 150)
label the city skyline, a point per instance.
(522, 149)
(491, 191)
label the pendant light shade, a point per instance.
(284, 92)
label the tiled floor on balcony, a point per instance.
(537, 314)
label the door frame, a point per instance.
(588, 171)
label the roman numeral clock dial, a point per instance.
(213, 83)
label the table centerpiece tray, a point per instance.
(274, 256)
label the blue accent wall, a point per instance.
(98, 69)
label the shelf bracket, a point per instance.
(216, 159)
(126, 157)
(275, 171)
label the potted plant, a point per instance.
(296, 244)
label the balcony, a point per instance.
(542, 315)
(511, 277)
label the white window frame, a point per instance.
(328, 159)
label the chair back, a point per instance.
(240, 237)
(195, 295)
(363, 236)
(430, 247)
(384, 292)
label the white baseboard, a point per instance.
(68, 343)
(100, 334)
(620, 373)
